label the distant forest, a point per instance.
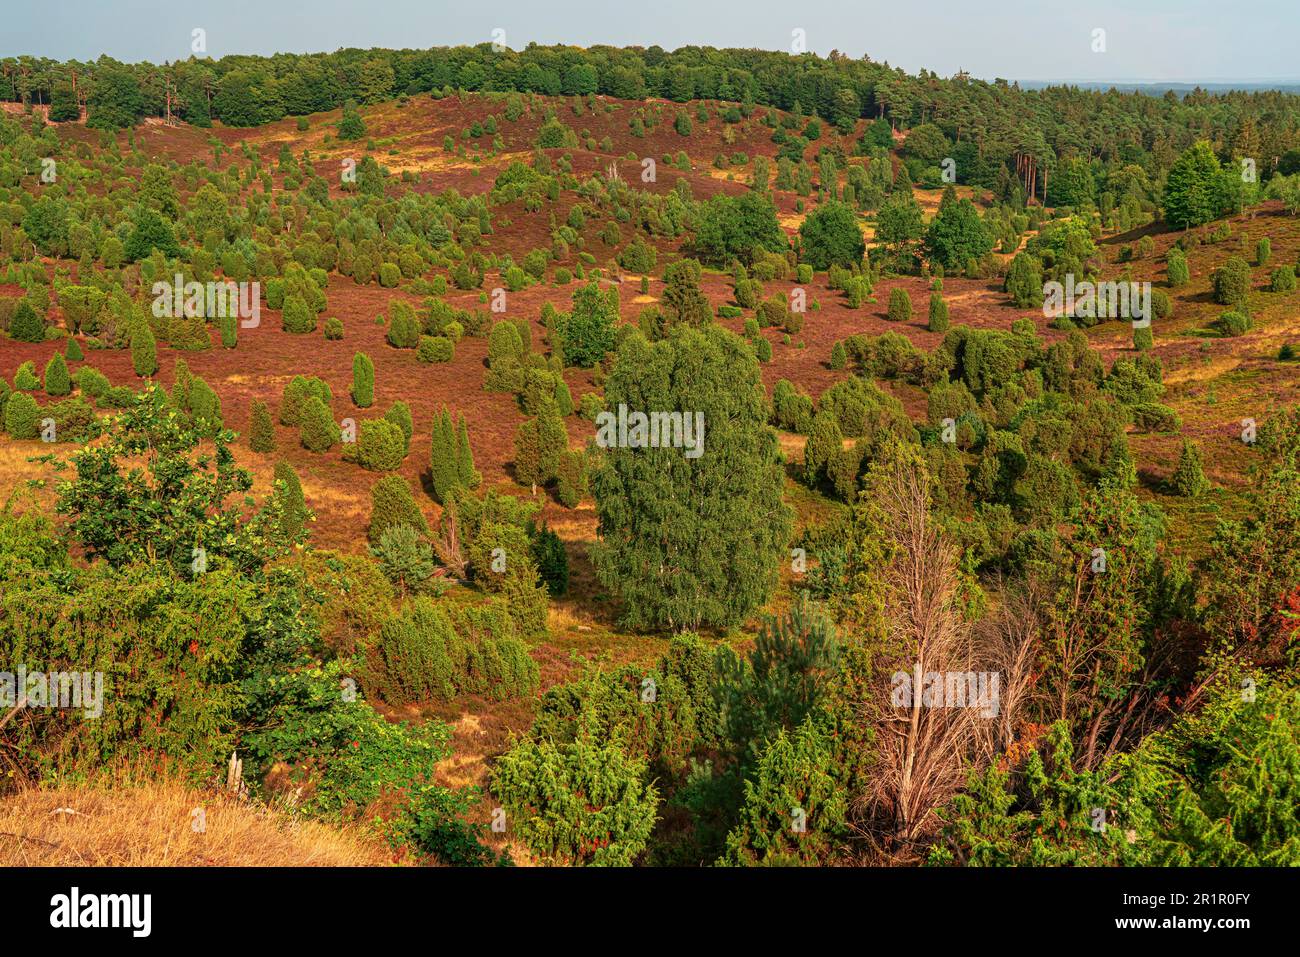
(1001, 132)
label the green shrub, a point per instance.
(144, 351)
(318, 431)
(1188, 478)
(57, 380)
(26, 325)
(380, 446)
(403, 327)
(583, 802)
(1232, 324)
(399, 413)
(900, 305)
(297, 316)
(938, 313)
(363, 381)
(1153, 417)
(792, 410)
(428, 654)
(296, 393)
(91, 382)
(435, 349)
(1283, 279)
(793, 811)
(392, 504)
(261, 431)
(22, 416)
(1176, 268)
(333, 329)
(1232, 282)
(25, 379)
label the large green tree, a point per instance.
(690, 537)
(1192, 189)
(734, 227)
(830, 236)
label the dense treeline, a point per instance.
(991, 125)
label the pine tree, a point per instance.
(261, 432)
(444, 457)
(1188, 478)
(528, 455)
(938, 313)
(391, 505)
(73, 352)
(57, 381)
(318, 431)
(553, 439)
(824, 445)
(293, 514)
(363, 381)
(26, 325)
(144, 352)
(900, 305)
(468, 476)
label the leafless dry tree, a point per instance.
(447, 545)
(926, 748)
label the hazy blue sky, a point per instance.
(1165, 40)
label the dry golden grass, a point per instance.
(151, 825)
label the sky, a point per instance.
(1155, 40)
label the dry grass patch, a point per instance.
(153, 826)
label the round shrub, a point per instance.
(22, 416)
(380, 445)
(92, 382)
(900, 305)
(333, 329)
(1232, 282)
(1232, 324)
(25, 378)
(297, 316)
(435, 349)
